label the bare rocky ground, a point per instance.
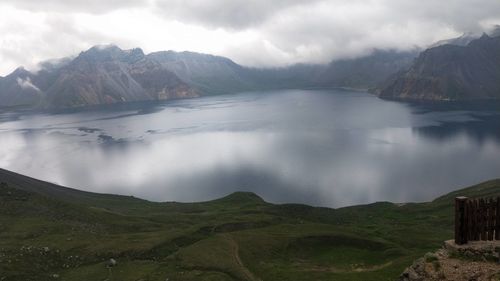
(476, 261)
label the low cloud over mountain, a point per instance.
(252, 33)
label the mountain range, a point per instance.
(108, 74)
(100, 75)
(463, 68)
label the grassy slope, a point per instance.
(238, 237)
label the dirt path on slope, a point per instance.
(235, 253)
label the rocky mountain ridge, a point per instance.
(100, 75)
(449, 73)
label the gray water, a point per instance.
(326, 148)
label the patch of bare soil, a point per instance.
(447, 264)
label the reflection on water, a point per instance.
(328, 148)
(485, 128)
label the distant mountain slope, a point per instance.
(108, 74)
(210, 74)
(365, 72)
(117, 203)
(286, 77)
(100, 75)
(450, 72)
(214, 74)
(220, 75)
(17, 88)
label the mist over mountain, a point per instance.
(467, 37)
(210, 74)
(450, 72)
(460, 68)
(216, 74)
(365, 72)
(108, 74)
(462, 40)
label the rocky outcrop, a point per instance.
(450, 72)
(478, 261)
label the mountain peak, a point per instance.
(241, 197)
(484, 36)
(105, 47)
(20, 72)
(101, 52)
(438, 73)
(462, 40)
(111, 52)
(495, 32)
(468, 37)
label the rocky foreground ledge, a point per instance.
(475, 261)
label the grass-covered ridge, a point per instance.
(48, 232)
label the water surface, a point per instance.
(326, 148)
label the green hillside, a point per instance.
(48, 232)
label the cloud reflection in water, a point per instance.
(328, 148)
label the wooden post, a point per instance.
(486, 219)
(477, 236)
(482, 220)
(469, 217)
(497, 224)
(476, 220)
(460, 221)
(491, 218)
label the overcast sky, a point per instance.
(251, 32)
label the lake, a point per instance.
(325, 148)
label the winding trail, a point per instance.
(235, 248)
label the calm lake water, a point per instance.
(327, 148)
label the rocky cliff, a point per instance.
(450, 72)
(100, 75)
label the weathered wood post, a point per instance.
(460, 221)
(497, 219)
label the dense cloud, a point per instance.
(76, 6)
(257, 33)
(231, 14)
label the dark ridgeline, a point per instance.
(477, 219)
(450, 73)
